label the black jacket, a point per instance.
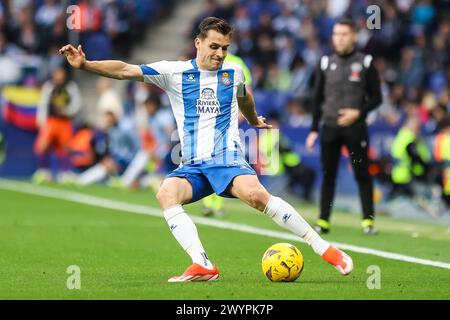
(344, 81)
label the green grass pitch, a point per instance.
(123, 255)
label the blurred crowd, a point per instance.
(280, 41)
(32, 31)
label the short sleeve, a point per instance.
(240, 83)
(157, 73)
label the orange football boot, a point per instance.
(197, 273)
(339, 259)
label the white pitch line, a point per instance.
(150, 211)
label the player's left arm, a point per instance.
(247, 107)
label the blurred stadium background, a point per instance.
(280, 41)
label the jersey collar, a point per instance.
(194, 63)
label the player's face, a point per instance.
(212, 50)
(151, 108)
(344, 38)
(109, 121)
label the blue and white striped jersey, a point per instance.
(204, 104)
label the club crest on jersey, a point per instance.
(226, 80)
(208, 103)
(356, 69)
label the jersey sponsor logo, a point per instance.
(226, 79)
(208, 103)
(190, 77)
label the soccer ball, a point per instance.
(282, 262)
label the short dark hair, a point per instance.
(212, 23)
(153, 98)
(347, 22)
(444, 123)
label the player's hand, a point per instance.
(75, 57)
(261, 124)
(311, 140)
(348, 116)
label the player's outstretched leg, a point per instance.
(173, 193)
(287, 217)
(250, 190)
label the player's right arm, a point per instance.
(318, 97)
(108, 68)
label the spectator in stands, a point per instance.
(60, 102)
(123, 144)
(241, 20)
(411, 71)
(95, 42)
(411, 158)
(9, 63)
(444, 99)
(277, 79)
(155, 143)
(391, 31)
(265, 52)
(442, 157)
(279, 159)
(90, 16)
(46, 18)
(108, 99)
(301, 77)
(298, 116)
(88, 146)
(423, 14)
(27, 36)
(48, 13)
(287, 22)
(117, 24)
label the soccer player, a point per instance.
(213, 204)
(206, 95)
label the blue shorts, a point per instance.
(208, 178)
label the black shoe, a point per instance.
(220, 213)
(321, 230)
(207, 212)
(370, 230)
(368, 226)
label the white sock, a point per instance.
(287, 217)
(136, 166)
(92, 175)
(185, 232)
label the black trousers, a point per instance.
(356, 139)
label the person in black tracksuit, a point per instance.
(346, 89)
